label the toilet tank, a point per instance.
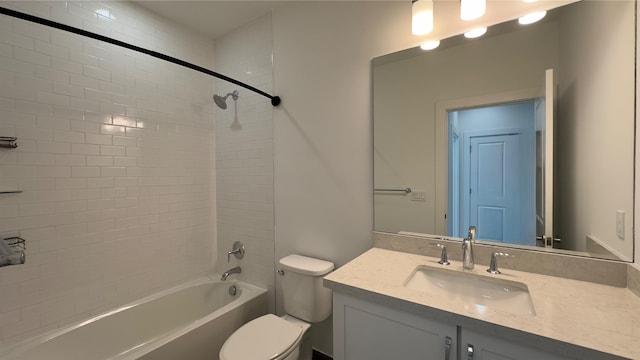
(302, 291)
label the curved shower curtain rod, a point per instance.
(275, 100)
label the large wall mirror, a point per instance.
(527, 133)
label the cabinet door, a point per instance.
(364, 330)
(478, 346)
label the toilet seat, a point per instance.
(266, 337)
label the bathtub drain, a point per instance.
(233, 290)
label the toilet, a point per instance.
(306, 301)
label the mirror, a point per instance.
(456, 141)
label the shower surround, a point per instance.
(115, 158)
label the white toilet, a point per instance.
(305, 301)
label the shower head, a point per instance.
(221, 101)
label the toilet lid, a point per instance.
(263, 338)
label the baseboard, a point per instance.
(317, 355)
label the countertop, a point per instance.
(588, 315)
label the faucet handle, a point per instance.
(237, 251)
(444, 260)
(493, 266)
(472, 233)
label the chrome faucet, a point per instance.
(235, 270)
(493, 266)
(467, 249)
(444, 259)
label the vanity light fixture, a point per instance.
(421, 17)
(430, 45)
(472, 9)
(532, 18)
(477, 32)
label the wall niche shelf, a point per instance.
(4, 192)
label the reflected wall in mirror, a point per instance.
(457, 125)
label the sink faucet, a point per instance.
(467, 249)
(235, 270)
(493, 266)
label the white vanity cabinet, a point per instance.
(363, 330)
(478, 346)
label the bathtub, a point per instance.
(190, 321)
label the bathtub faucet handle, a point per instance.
(237, 251)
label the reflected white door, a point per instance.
(544, 109)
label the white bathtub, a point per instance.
(191, 321)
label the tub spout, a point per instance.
(235, 270)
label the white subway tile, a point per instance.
(112, 150)
(100, 160)
(99, 139)
(71, 206)
(124, 141)
(89, 128)
(125, 161)
(35, 159)
(37, 209)
(66, 65)
(98, 117)
(85, 194)
(34, 133)
(66, 89)
(113, 171)
(31, 56)
(96, 73)
(70, 160)
(52, 99)
(53, 171)
(49, 122)
(101, 182)
(53, 147)
(47, 73)
(125, 181)
(83, 81)
(68, 136)
(112, 130)
(85, 171)
(85, 149)
(70, 183)
(84, 104)
(46, 48)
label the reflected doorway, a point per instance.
(492, 172)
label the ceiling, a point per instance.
(211, 18)
(215, 18)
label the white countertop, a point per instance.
(589, 315)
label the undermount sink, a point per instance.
(478, 292)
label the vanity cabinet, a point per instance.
(366, 330)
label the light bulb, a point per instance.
(430, 45)
(531, 18)
(475, 33)
(472, 9)
(422, 17)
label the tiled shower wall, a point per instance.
(244, 153)
(115, 159)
